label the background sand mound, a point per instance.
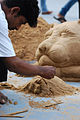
(26, 39)
(48, 88)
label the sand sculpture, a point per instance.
(61, 48)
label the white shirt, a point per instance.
(6, 47)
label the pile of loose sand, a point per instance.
(26, 39)
(44, 87)
(48, 87)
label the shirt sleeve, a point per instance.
(6, 47)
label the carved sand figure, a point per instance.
(61, 48)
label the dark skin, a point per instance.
(15, 64)
(3, 98)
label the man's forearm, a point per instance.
(21, 67)
(15, 64)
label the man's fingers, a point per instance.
(3, 98)
(2, 101)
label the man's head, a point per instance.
(20, 11)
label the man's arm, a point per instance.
(17, 65)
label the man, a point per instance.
(13, 13)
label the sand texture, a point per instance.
(61, 48)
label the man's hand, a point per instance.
(3, 98)
(47, 72)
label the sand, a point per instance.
(61, 48)
(26, 39)
(44, 87)
(25, 42)
(48, 87)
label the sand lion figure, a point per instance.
(61, 48)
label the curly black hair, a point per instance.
(28, 8)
